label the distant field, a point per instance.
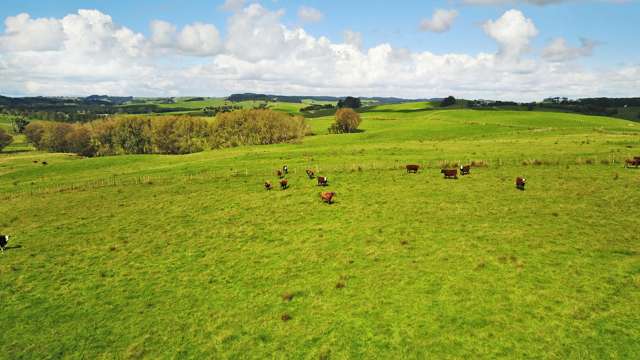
(188, 257)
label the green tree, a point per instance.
(347, 121)
(448, 101)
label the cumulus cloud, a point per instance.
(93, 54)
(441, 21)
(232, 5)
(559, 51)
(195, 39)
(24, 33)
(309, 14)
(513, 33)
(353, 38)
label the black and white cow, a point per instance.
(4, 240)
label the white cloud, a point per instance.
(513, 32)
(233, 5)
(559, 51)
(353, 38)
(441, 21)
(196, 39)
(93, 54)
(309, 14)
(24, 33)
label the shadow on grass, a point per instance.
(15, 151)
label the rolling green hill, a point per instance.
(189, 257)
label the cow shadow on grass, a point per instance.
(13, 247)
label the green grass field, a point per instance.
(188, 257)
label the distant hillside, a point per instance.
(300, 99)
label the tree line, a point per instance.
(165, 134)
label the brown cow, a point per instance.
(267, 185)
(284, 184)
(465, 170)
(279, 174)
(520, 183)
(310, 174)
(450, 173)
(632, 162)
(327, 197)
(413, 169)
(323, 181)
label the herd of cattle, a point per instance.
(328, 197)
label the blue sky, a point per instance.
(611, 27)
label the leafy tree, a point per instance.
(350, 102)
(19, 125)
(133, 135)
(34, 132)
(347, 121)
(5, 139)
(79, 141)
(448, 101)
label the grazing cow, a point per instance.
(4, 240)
(412, 169)
(280, 174)
(465, 170)
(520, 183)
(285, 169)
(450, 173)
(323, 181)
(327, 197)
(45, 163)
(310, 174)
(284, 184)
(632, 162)
(35, 161)
(267, 185)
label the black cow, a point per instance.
(4, 240)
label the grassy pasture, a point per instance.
(187, 256)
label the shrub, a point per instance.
(255, 127)
(347, 121)
(5, 139)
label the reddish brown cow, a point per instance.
(450, 173)
(284, 184)
(413, 169)
(323, 181)
(465, 170)
(521, 182)
(310, 174)
(632, 162)
(327, 197)
(280, 174)
(267, 185)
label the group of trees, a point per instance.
(166, 134)
(256, 127)
(350, 102)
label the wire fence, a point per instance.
(264, 174)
